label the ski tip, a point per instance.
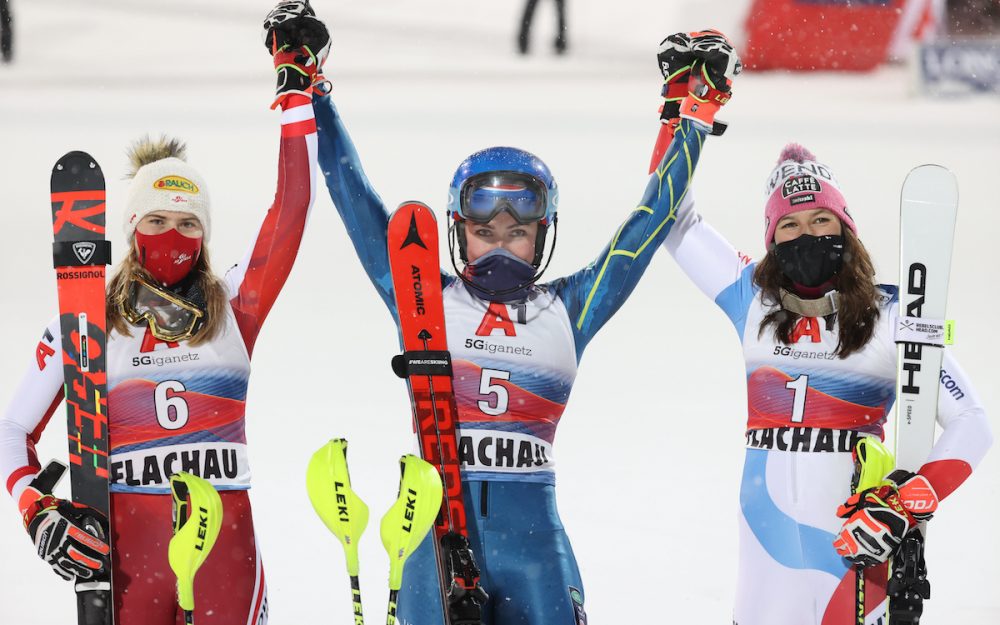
(76, 162)
(415, 206)
(932, 184)
(930, 172)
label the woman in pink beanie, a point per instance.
(817, 338)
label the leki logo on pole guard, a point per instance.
(84, 251)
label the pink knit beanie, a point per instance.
(800, 182)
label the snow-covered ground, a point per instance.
(650, 447)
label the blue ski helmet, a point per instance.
(501, 179)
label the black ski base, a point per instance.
(908, 586)
(93, 607)
(465, 596)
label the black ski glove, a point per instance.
(300, 45)
(70, 537)
(716, 65)
(675, 59)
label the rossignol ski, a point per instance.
(928, 210)
(80, 253)
(426, 364)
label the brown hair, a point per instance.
(216, 299)
(858, 309)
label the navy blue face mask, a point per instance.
(500, 276)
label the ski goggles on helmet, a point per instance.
(486, 195)
(169, 316)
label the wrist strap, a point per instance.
(674, 91)
(705, 93)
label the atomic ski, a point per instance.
(79, 255)
(426, 364)
(928, 210)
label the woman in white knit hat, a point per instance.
(179, 345)
(817, 337)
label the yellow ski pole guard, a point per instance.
(873, 462)
(340, 509)
(412, 516)
(197, 514)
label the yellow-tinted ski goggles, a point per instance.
(169, 316)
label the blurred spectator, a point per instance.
(973, 18)
(529, 14)
(919, 21)
(6, 35)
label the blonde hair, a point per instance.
(214, 291)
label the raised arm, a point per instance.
(718, 269)
(593, 294)
(698, 70)
(255, 282)
(358, 204)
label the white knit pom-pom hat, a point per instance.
(163, 181)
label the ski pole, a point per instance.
(341, 510)
(407, 522)
(193, 498)
(872, 462)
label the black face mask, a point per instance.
(811, 261)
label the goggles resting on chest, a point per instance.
(170, 317)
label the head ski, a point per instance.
(928, 210)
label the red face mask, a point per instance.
(168, 256)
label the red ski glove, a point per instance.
(915, 491)
(876, 523)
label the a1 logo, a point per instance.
(496, 318)
(807, 326)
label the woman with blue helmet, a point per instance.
(515, 344)
(508, 199)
